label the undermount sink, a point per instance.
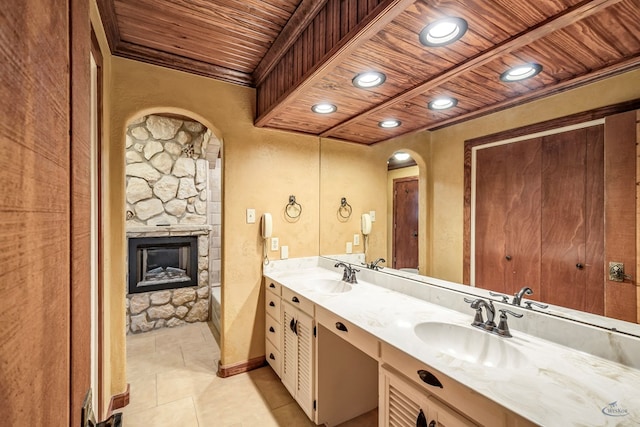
(471, 345)
(328, 286)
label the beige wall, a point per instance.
(391, 175)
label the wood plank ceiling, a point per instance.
(300, 53)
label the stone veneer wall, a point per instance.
(166, 192)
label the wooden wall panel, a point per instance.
(620, 214)
(80, 207)
(34, 213)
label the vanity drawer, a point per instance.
(454, 394)
(297, 301)
(272, 286)
(272, 305)
(348, 331)
(273, 331)
(273, 357)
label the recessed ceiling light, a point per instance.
(391, 123)
(401, 156)
(369, 79)
(443, 31)
(442, 103)
(324, 108)
(521, 72)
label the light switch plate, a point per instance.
(284, 252)
(349, 247)
(251, 216)
(274, 243)
(372, 214)
(356, 239)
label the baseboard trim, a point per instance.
(225, 371)
(118, 401)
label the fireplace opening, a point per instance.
(159, 263)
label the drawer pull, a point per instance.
(295, 299)
(272, 286)
(271, 356)
(340, 326)
(272, 304)
(271, 329)
(421, 421)
(429, 378)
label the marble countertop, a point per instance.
(554, 386)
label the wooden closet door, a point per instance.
(572, 218)
(507, 217)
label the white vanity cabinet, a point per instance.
(298, 353)
(273, 326)
(402, 403)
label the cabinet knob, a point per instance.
(295, 299)
(272, 286)
(508, 257)
(272, 304)
(429, 378)
(341, 327)
(271, 356)
(271, 329)
(579, 266)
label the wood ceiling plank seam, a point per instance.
(240, 66)
(248, 32)
(627, 39)
(304, 15)
(598, 50)
(585, 8)
(107, 11)
(163, 59)
(383, 14)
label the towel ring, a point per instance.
(294, 207)
(344, 207)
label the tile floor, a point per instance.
(173, 382)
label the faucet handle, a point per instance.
(528, 305)
(503, 327)
(478, 320)
(505, 298)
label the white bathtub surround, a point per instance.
(576, 383)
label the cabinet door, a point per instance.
(298, 357)
(401, 405)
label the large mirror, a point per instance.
(361, 175)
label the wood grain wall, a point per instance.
(43, 353)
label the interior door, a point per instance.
(405, 221)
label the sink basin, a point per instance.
(328, 286)
(471, 345)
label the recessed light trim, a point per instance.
(521, 72)
(389, 124)
(369, 79)
(443, 31)
(401, 156)
(442, 103)
(324, 108)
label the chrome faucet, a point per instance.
(517, 298)
(373, 265)
(349, 274)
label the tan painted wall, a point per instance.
(447, 151)
(391, 175)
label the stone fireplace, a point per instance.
(168, 232)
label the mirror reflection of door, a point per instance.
(405, 223)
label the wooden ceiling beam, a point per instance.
(571, 15)
(107, 11)
(299, 21)
(386, 12)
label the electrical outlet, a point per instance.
(274, 243)
(251, 216)
(284, 252)
(356, 239)
(372, 214)
(349, 247)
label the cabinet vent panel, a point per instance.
(402, 410)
